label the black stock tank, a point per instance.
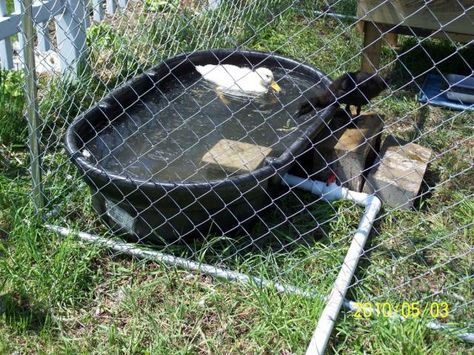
(143, 148)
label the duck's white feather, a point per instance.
(232, 78)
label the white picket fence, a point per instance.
(71, 19)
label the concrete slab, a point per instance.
(232, 156)
(399, 172)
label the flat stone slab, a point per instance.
(232, 156)
(398, 175)
(347, 150)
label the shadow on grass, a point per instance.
(297, 220)
(21, 313)
(294, 227)
(428, 186)
(417, 57)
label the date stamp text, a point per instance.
(405, 309)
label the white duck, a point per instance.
(239, 80)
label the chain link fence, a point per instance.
(190, 174)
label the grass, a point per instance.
(13, 126)
(59, 295)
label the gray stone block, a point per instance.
(398, 174)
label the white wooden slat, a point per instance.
(42, 12)
(21, 38)
(6, 54)
(122, 3)
(111, 7)
(87, 18)
(98, 10)
(42, 32)
(6, 51)
(71, 36)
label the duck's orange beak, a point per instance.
(275, 86)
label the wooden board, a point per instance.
(232, 156)
(346, 150)
(456, 15)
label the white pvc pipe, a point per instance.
(467, 337)
(435, 325)
(335, 300)
(131, 249)
(331, 311)
(213, 4)
(372, 205)
(335, 15)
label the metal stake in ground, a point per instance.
(31, 112)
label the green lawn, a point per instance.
(59, 295)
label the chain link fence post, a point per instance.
(31, 103)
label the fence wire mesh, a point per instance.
(178, 165)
